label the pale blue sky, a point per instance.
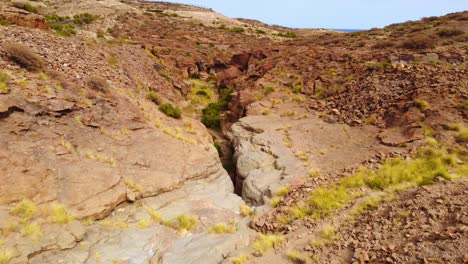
(353, 14)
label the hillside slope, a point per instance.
(137, 132)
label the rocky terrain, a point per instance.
(138, 132)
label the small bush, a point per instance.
(283, 190)
(418, 42)
(66, 30)
(287, 34)
(4, 78)
(245, 210)
(314, 173)
(155, 216)
(383, 44)
(6, 256)
(195, 75)
(237, 30)
(239, 260)
(186, 222)
(449, 32)
(153, 97)
(25, 209)
(328, 233)
(462, 135)
(4, 21)
(263, 243)
(183, 222)
(97, 83)
(170, 110)
(23, 56)
(54, 18)
(60, 215)
(143, 223)
(85, 18)
(223, 229)
(316, 244)
(423, 105)
(369, 203)
(211, 117)
(259, 31)
(132, 186)
(275, 202)
(32, 231)
(296, 257)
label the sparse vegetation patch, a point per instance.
(24, 56)
(263, 243)
(170, 110)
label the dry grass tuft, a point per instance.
(24, 56)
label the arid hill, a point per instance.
(150, 132)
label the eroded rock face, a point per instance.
(22, 18)
(86, 167)
(271, 150)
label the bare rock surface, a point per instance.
(273, 150)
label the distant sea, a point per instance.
(346, 30)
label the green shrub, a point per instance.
(54, 18)
(4, 21)
(153, 97)
(65, 30)
(182, 222)
(296, 257)
(4, 78)
(84, 18)
(245, 210)
(263, 243)
(6, 256)
(288, 34)
(234, 29)
(60, 215)
(223, 229)
(237, 30)
(259, 31)
(211, 117)
(25, 209)
(169, 110)
(449, 32)
(274, 202)
(32, 231)
(23, 56)
(462, 135)
(423, 105)
(195, 75)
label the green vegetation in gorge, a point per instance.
(212, 113)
